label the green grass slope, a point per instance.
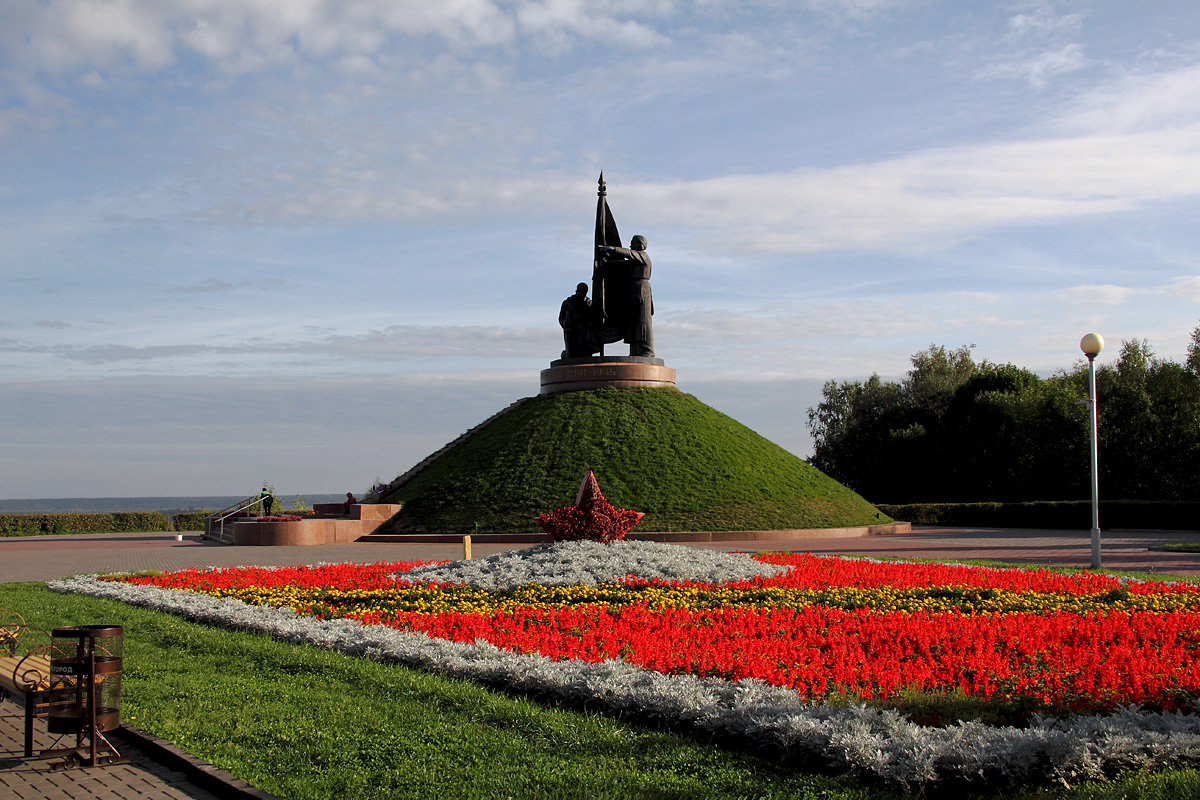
(685, 464)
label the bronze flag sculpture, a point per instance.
(622, 305)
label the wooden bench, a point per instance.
(24, 674)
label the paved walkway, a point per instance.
(35, 778)
(42, 558)
(48, 557)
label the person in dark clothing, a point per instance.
(267, 499)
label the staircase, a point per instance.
(218, 526)
(330, 527)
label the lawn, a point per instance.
(1182, 547)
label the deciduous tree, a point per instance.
(958, 430)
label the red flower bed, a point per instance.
(334, 576)
(816, 572)
(1062, 662)
(1088, 659)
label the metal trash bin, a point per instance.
(85, 691)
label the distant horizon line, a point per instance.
(151, 496)
(167, 503)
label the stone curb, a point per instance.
(653, 536)
(199, 772)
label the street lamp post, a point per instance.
(1091, 345)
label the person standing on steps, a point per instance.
(267, 499)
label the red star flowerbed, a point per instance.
(591, 517)
(1033, 640)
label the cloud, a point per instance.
(404, 342)
(852, 9)
(214, 285)
(1116, 149)
(240, 36)
(235, 35)
(1038, 68)
(210, 285)
(700, 330)
(1188, 286)
(1039, 19)
(339, 194)
(397, 344)
(1093, 296)
(926, 200)
(1131, 143)
(1136, 102)
(26, 104)
(562, 22)
(818, 339)
(164, 402)
(793, 335)
(930, 198)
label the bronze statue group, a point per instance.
(621, 305)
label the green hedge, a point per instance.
(189, 520)
(1059, 514)
(52, 524)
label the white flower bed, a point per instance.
(870, 743)
(584, 563)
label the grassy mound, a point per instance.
(686, 465)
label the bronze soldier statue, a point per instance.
(634, 265)
(575, 317)
(620, 286)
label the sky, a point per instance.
(311, 241)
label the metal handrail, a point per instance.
(219, 517)
(237, 506)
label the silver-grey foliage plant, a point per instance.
(870, 743)
(586, 563)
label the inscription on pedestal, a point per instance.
(572, 377)
(584, 372)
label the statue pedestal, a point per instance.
(602, 372)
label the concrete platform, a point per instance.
(668, 537)
(602, 372)
(361, 521)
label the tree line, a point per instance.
(957, 430)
